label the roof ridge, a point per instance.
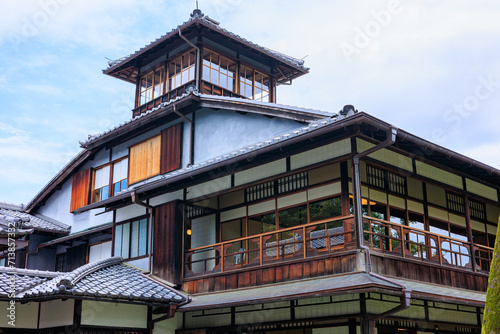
(29, 272)
(11, 206)
(68, 280)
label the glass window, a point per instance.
(325, 209)
(398, 216)
(120, 170)
(101, 184)
(219, 70)
(181, 70)
(152, 85)
(293, 216)
(254, 84)
(131, 239)
(261, 223)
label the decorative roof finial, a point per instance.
(197, 13)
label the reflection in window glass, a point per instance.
(398, 216)
(181, 70)
(131, 239)
(219, 70)
(293, 216)
(254, 84)
(326, 208)
(261, 224)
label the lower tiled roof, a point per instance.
(29, 221)
(104, 279)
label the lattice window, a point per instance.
(292, 182)
(375, 177)
(396, 183)
(477, 210)
(194, 211)
(386, 180)
(259, 191)
(455, 203)
(281, 186)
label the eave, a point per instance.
(356, 121)
(130, 64)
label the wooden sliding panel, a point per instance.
(167, 241)
(144, 159)
(80, 189)
(171, 148)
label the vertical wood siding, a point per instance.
(171, 148)
(80, 189)
(167, 241)
(144, 159)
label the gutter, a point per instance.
(135, 200)
(191, 132)
(391, 134)
(198, 55)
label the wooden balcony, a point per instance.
(311, 250)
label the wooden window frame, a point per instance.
(169, 75)
(110, 185)
(130, 221)
(219, 69)
(384, 179)
(243, 74)
(163, 81)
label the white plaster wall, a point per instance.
(168, 326)
(56, 313)
(26, 315)
(121, 150)
(114, 314)
(58, 207)
(140, 263)
(222, 131)
(130, 212)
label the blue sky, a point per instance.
(429, 67)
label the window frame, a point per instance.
(130, 239)
(110, 184)
(163, 83)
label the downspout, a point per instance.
(358, 219)
(198, 55)
(191, 129)
(135, 200)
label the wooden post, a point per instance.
(469, 232)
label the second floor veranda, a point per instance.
(313, 221)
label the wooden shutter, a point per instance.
(171, 148)
(80, 189)
(144, 160)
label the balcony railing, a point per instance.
(287, 244)
(330, 236)
(409, 242)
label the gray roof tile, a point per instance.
(10, 212)
(205, 19)
(108, 278)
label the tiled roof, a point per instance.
(10, 224)
(29, 221)
(15, 280)
(194, 91)
(240, 152)
(108, 278)
(198, 15)
(290, 290)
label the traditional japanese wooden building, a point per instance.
(260, 217)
